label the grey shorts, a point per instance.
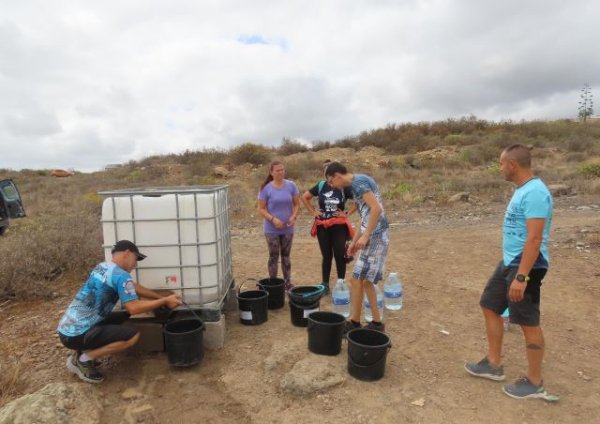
(371, 261)
(495, 295)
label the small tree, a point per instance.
(586, 104)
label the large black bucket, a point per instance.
(325, 331)
(300, 313)
(183, 341)
(306, 295)
(253, 305)
(367, 352)
(276, 289)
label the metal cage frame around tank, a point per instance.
(222, 241)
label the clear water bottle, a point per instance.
(340, 299)
(368, 312)
(506, 320)
(393, 292)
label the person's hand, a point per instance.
(340, 213)
(317, 213)
(516, 292)
(173, 301)
(278, 223)
(351, 249)
(362, 242)
(292, 221)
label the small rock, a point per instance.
(583, 208)
(312, 374)
(460, 197)
(560, 189)
(130, 393)
(221, 171)
(418, 402)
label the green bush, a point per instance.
(590, 170)
(397, 190)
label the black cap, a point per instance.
(124, 245)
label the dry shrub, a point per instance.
(35, 252)
(306, 169)
(289, 147)
(11, 381)
(255, 154)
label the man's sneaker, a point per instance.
(289, 286)
(84, 370)
(349, 325)
(484, 369)
(379, 326)
(523, 388)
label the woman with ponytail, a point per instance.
(279, 204)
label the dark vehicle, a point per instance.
(11, 205)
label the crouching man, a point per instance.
(83, 327)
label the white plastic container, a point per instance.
(184, 231)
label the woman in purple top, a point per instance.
(279, 204)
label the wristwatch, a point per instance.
(522, 278)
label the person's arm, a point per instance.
(147, 293)
(531, 251)
(375, 212)
(306, 200)
(262, 210)
(140, 306)
(295, 210)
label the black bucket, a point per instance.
(367, 352)
(253, 305)
(325, 331)
(300, 313)
(276, 289)
(183, 342)
(306, 295)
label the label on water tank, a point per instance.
(393, 294)
(246, 315)
(307, 312)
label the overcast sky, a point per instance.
(87, 83)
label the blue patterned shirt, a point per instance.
(362, 184)
(107, 284)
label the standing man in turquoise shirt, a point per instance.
(518, 277)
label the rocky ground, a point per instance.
(265, 374)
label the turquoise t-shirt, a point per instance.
(530, 200)
(94, 302)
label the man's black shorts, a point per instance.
(98, 336)
(495, 295)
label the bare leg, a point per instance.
(112, 348)
(534, 341)
(356, 296)
(495, 332)
(369, 289)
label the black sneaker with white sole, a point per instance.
(379, 326)
(84, 370)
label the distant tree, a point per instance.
(586, 104)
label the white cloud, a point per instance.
(83, 84)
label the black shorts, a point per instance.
(495, 295)
(98, 336)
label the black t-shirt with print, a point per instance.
(330, 199)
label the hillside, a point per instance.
(419, 166)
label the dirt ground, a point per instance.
(443, 259)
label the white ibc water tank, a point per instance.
(184, 231)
